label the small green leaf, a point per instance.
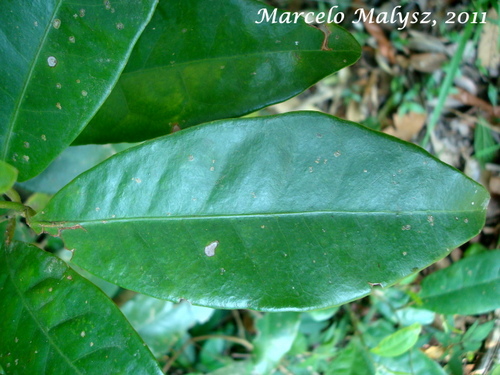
(239, 367)
(478, 332)
(399, 342)
(322, 315)
(37, 201)
(474, 249)
(58, 64)
(265, 213)
(8, 176)
(484, 144)
(202, 60)
(413, 362)
(470, 286)
(56, 322)
(352, 360)
(277, 332)
(410, 315)
(213, 355)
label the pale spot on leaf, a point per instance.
(51, 61)
(210, 249)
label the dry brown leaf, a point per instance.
(469, 99)
(427, 62)
(488, 50)
(385, 46)
(407, 126)
(424, 42)
(468, 369)
(373, 94)
(434, 352)
(494, 185)
(354, 112)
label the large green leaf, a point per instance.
(293, 212)
(470, 286)
(202, 60)
(56, 322)
(59, 61)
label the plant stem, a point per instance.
(448, 82)
(12, 206)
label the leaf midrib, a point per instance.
(15, 114)
(225, 58)
(261, 215)
(33, 316)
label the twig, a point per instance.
(472, 100)
(239, 323)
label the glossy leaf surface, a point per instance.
(58, 64)
(294, 212)
(56, 322)
(470, 286)
(202, 60)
